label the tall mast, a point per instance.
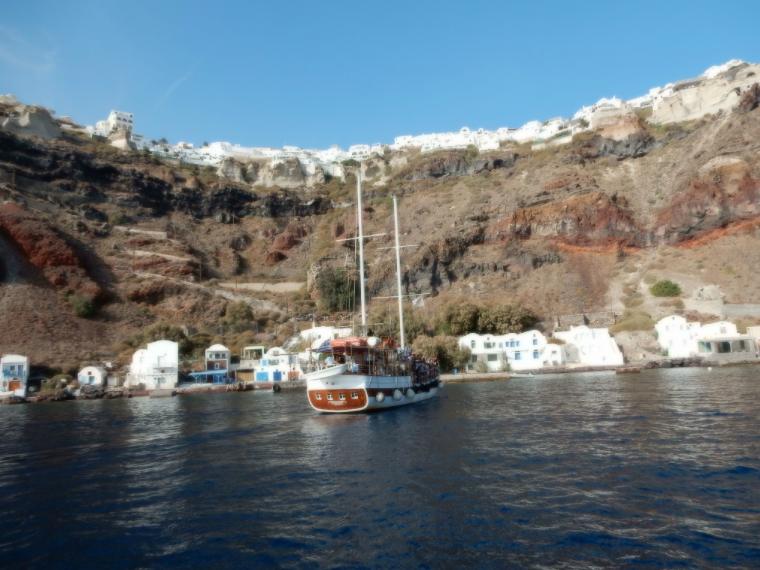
(398, 274)
(360, 237)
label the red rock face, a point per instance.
(284, 241)
(706, 206)
(572, 181)
(590, 219)
(48, 250)
(275, 257)
(298, 231)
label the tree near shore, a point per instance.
(445, 349)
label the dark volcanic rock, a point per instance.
(749, 100)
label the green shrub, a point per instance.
(481, 367)
(337, 291)
(115, 218)
(83, 306)
(633, 321)
(237, 316)
(665, 288)
(443, 348)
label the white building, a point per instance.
(595, 346)
(273, 365)
(722, 341)
(116, 121)
(155, 367)
(523, 351)
(92, 376)
(218, 368)
(15, 373)
(677, 336)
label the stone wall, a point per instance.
(597, 320)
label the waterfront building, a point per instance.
(677, 336)
(722, 341)
(155, 367)
(521, 351)
(15, 373)
(218, 367)
(595, 347)
(273, 365)
(95, 375)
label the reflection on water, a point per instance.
(576, 471)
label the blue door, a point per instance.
(277, 376)
(262, 376)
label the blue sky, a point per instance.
(312, 74)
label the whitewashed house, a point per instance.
(722, 341)
(93, 376)
(155, 367)
(595, 346)
(677, 336)
(116, 121)
(15, 373)
(523, 351)
(218, 368)
(273, 365)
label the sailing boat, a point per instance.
(371, 373)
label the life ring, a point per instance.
(410, 393)
(379, 397)
(276, 388)
(397, 395)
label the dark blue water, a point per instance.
(578, 471)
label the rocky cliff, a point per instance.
(567, 229)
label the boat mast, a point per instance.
(398, 273)
(360, 237)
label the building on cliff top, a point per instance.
(15, 373)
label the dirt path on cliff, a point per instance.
(253, 303)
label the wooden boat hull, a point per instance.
(351, 393)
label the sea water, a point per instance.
(598, 470)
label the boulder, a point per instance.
(616, 123)
(122, 140)
(284, 241)
(285, 174)
(231, 169)
(31, 120)
(749, 100)
(317, 178)
(694, 100)
(275, 257)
